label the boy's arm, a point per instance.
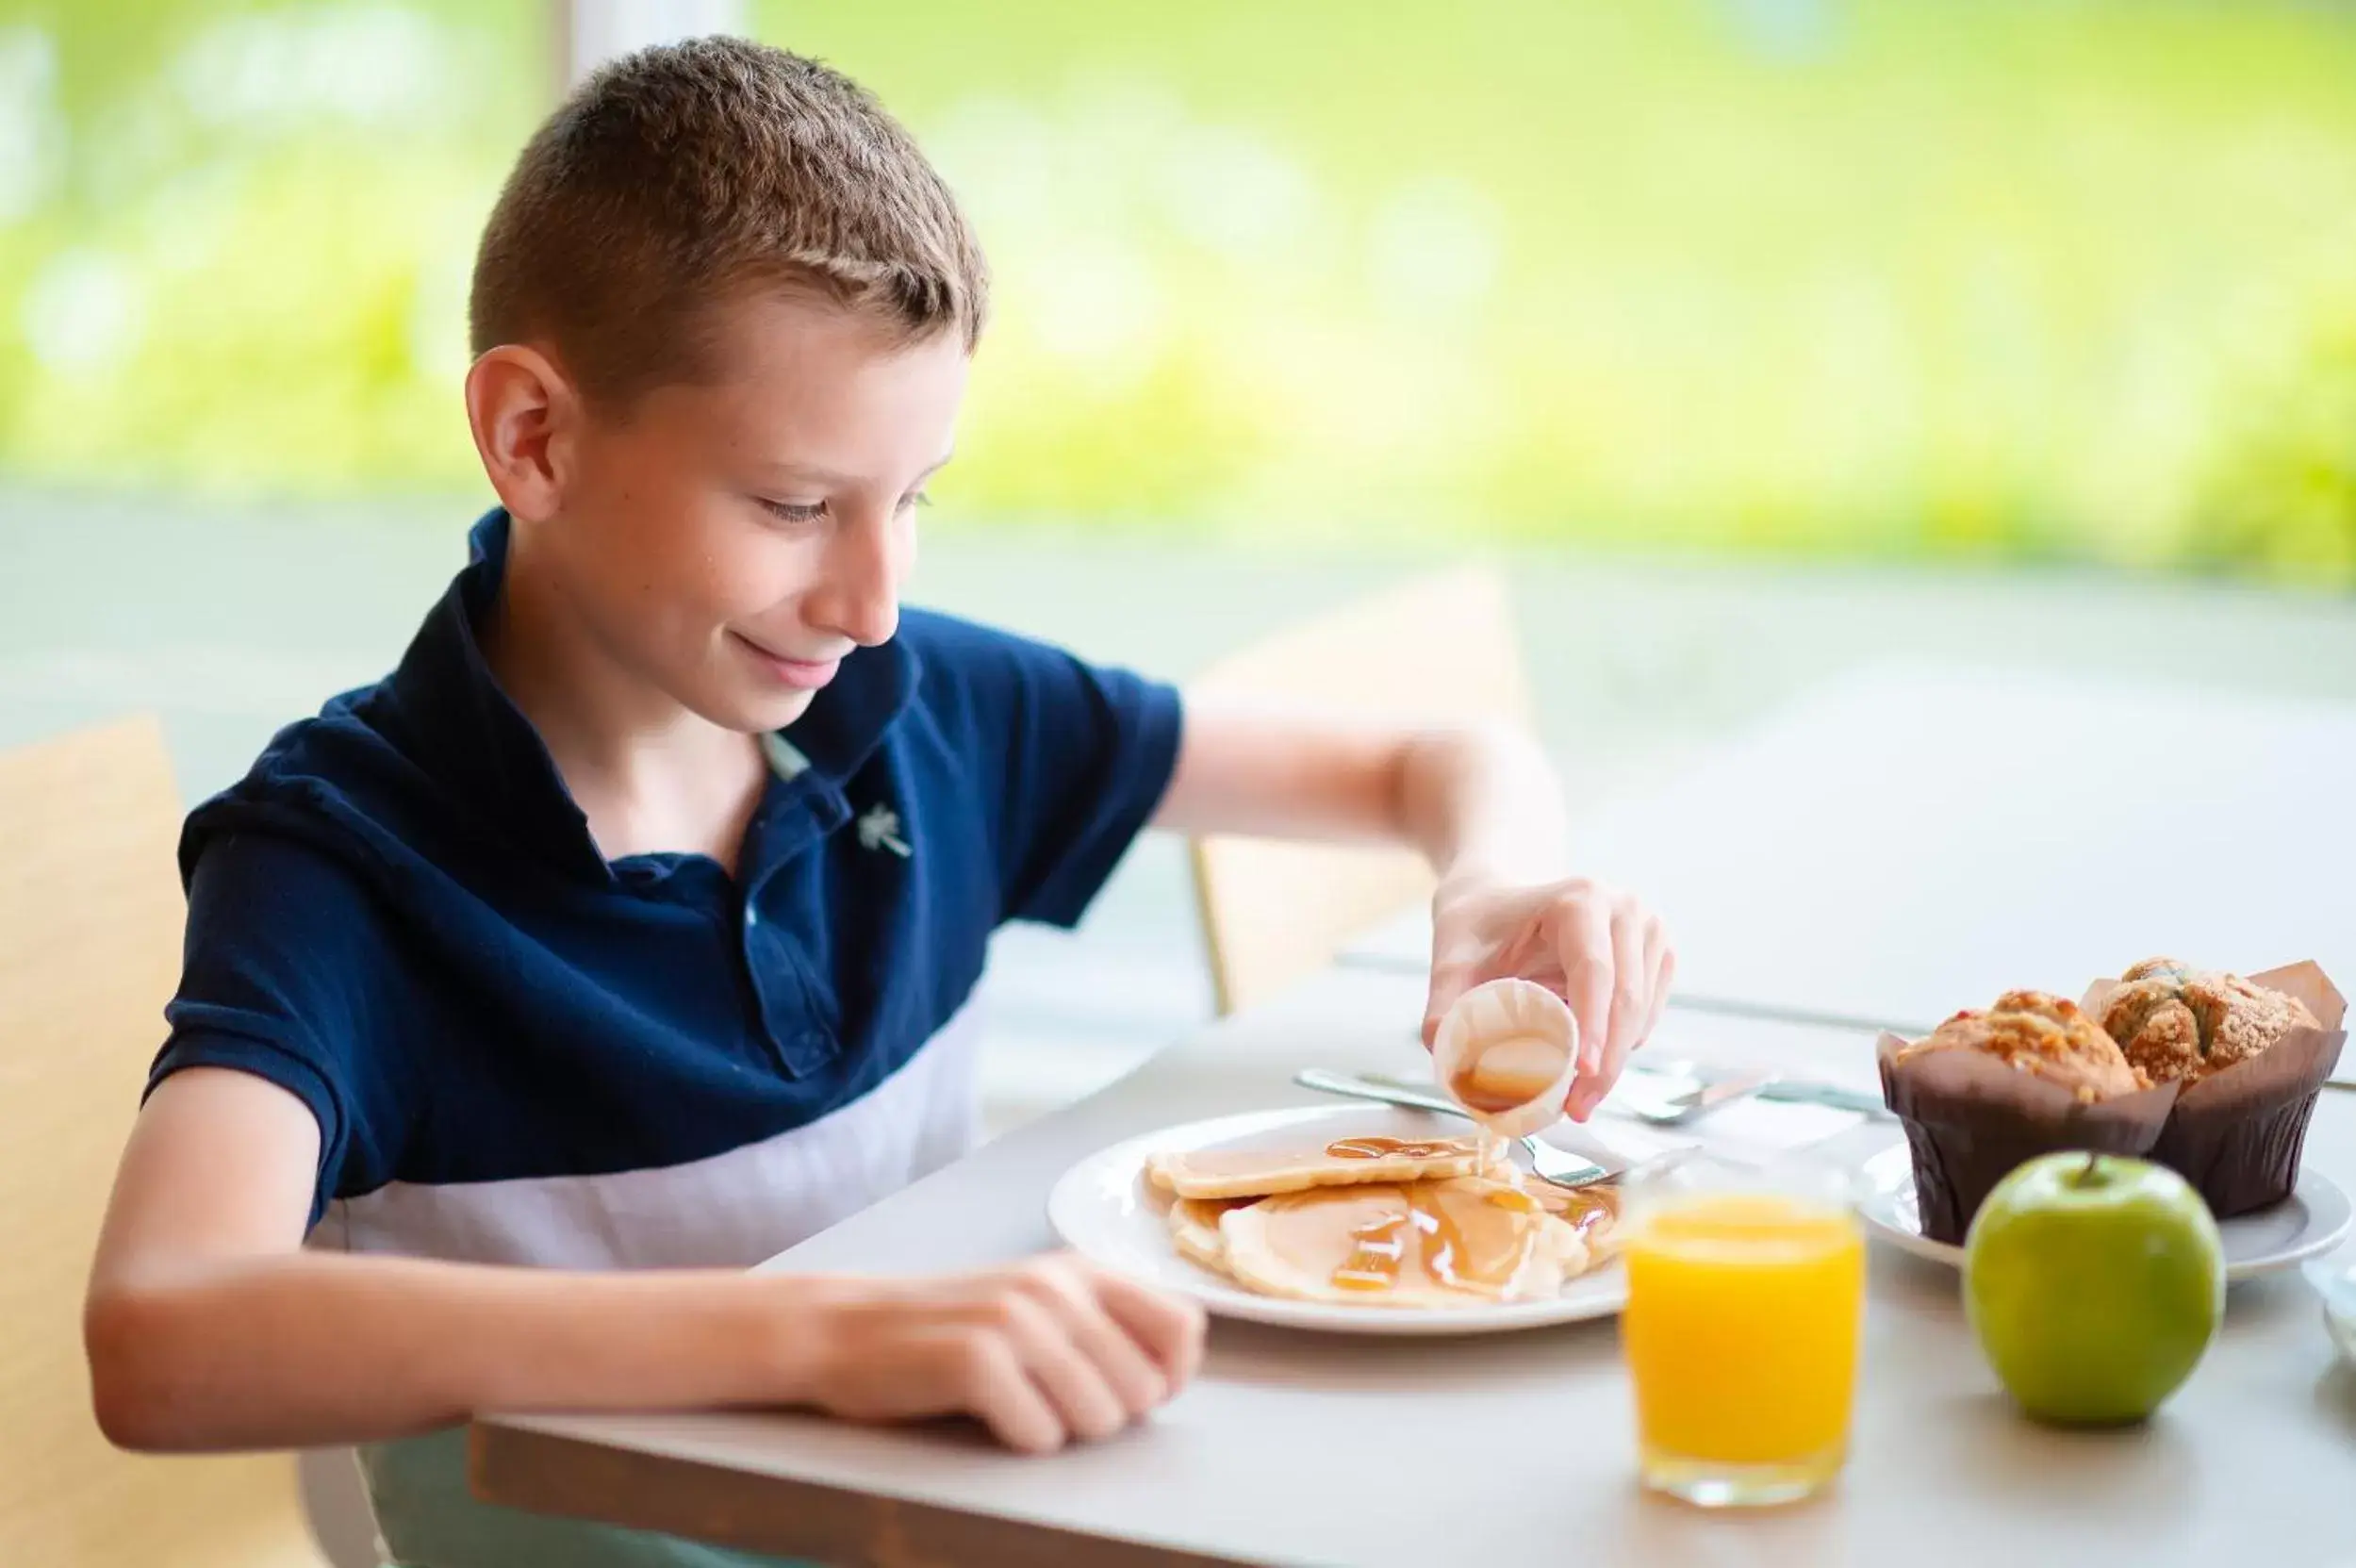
(1468, 797)
(1485, 808)
(208, 1327)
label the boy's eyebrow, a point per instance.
(828, 476)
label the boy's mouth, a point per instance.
(798, 674)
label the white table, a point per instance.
(1913, 840)
(1294, 1449)
(1904, 844)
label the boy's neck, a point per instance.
(649, 774)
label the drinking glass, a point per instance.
(1746, 1293)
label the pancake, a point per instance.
(1194, 1228)
(1344, 1163)
(1458, 1243)
(1592, 1212)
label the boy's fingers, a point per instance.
(1585, 947)
(1631, 977)
(1450, 978)
(1170, 1328)
(1660, 961)
(1087, 1407)
(996, 1389)
(1083, 1401)
(1124, 1364)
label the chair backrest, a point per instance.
(90, 917)
(1441, 648)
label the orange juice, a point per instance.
(1741, 1333)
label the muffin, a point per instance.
(2044, 1035)
(2248, 1059)
(2177, 1022)
(1989, 1090)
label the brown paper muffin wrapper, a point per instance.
(1970, 1121)
(2237, 1135)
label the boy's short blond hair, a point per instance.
(682, 177)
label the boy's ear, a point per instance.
(525, 416)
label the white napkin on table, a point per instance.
(1747, 1131)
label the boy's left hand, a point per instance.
(1596, 947)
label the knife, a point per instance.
(1800, 1092)
(1792, 1091)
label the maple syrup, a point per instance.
(1486, 1092)
(1456, 1235)
(1376, 1146)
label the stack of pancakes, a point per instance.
(1423, 1225)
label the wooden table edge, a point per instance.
(543, 1473)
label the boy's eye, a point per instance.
(790, 511)
(915, 498)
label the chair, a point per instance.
(90, 917)
(1439, 647)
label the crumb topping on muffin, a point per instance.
(2049, 1036)
(2174, 1021)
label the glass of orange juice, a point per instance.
(1746, 1293)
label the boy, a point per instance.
(619, 940)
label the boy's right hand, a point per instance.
(1042, 1352)
(211, 1326)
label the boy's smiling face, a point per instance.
(728, 542)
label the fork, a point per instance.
(1557, 1167)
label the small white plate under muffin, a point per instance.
(2312, 1221)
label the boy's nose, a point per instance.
(859, 596)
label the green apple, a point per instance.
(2094, 1284)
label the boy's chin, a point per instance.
(771, 712)
(754, 713)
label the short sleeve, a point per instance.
(283, 965)
(1071, 758)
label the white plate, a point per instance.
(1107, 1210)
(2335, 1280)
(2314, 1219)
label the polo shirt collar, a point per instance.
(464, 730)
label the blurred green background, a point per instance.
(1995, 278)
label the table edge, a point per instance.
(544, 1473)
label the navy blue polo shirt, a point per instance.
(518, 1051)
